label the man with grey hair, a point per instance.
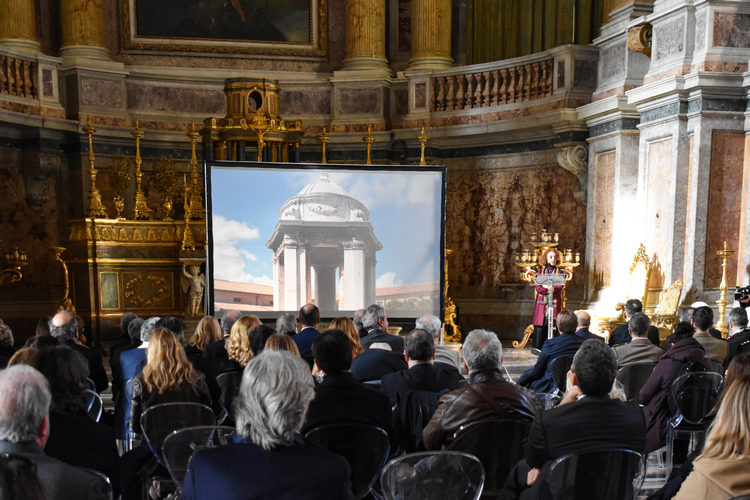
(24, 429)
(375, 321)
(488, 394)
(432, 324)
(640, 349)
(357, 319)
(287, 323)
(739, 334)
(64, 327)
(273, 398)
(620, 334)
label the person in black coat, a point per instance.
(620, 335)
(375, 321)
(64, 327)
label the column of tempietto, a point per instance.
(430, 35)
(82, 29)
(18, 25)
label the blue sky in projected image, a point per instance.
(404, 211)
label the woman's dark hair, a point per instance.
(66, 371)
(683, 330)
(258, 337)
(42, 326)
(41, 342)
(18, 479)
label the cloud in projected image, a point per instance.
(387, 279)
(230, 259)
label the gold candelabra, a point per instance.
(141, 210)
(450, 308)
(96, 207)
(194, 211)
(724, 253)
(368, 140)
(188, 241)
(14, 262)
(324, 138)
(65, 303)
(422, 138)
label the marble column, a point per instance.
(277, 273)
(353, 296)
(365, 35)
(18, 25)
(325, 287)
(291, 275)
(83, 29)
(430, 34)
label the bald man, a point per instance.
(584, 321)
(309, 318)
(64, 327)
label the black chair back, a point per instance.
(614, 474)
(181, 445)
(560, 367)
(411, 414)
(695, 394)
(364, 446)
(229, 385)
(498, 443)
(159, 421)
(433, 475)
(633, 377)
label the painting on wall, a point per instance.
(283, 27)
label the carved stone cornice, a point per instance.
(639, 39)
(573, 157)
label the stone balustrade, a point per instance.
(18, 76)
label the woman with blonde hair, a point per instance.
(168, 377)
(347, 325)
(720, 472)
(238, 343)
(207, 331)
(282, 342)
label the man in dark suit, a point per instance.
(620, 334)
(539, 378)
(309, 318)
(64, 327)
(377, 362)
(375, 321)
(275, 391)
(584, 322)
(423, 374)
(587, 419)
(639, 349)
(739, 333)
(123, 344)
(24, 429)
(340, 398)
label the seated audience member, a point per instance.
(640, 349)
(339, 398)
(168, 377)
(375, 321)
(287, 324)
(216, 355)
(739, 333)
(134, 334)
(123, 343)
(376, 362)
(208, 330)
(42, 326)
(74, 437)
(357, 320)
(238, 344)
(41, 341)
(174, 325)
(711, 330)
(258, 337)
(268, 459)
(585, 420)
(539, 378)
(281, 342)
(716, 349)
(6, 344)
(721, 470)
(432, 325)
(423, 373)
(64, 327)
(488, 394)
(347, 326)
(620, 334)
(24, 356)
(654, 394)
(584, 322)
(24, 430)
(309, 318)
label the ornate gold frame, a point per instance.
(316, 47)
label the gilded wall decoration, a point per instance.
(148, 290)
(489, 214)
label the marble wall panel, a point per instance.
(659, 206)
(304, 102)
(731, 30)
(100, 92)
(358, 101)
(491, 214)
(687, 193)
(724, 202)
(604, 194)
(668, 39)
(174, 99)
(700, 31)
(612, 62)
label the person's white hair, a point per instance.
(287, 323)
(482, 351)
(371, 316)
(274, 394)
(429, 323)
(25, 400)
(148, 327)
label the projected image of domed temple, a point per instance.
(323, 250)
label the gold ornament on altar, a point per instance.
(96, 207)
(368, 140)
(724, 253)
(531, 259)
(65, 302)
(422, 138)
(324, 138)
(119, 179)
(194, 209)
(165, 178)
(141, 209)
(450, 308)
(14, 262)
(188, 241)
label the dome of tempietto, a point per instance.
(323, 200)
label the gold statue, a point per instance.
(195, 292)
